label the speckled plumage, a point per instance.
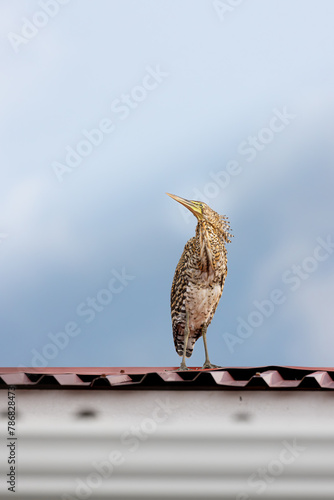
(199, 278)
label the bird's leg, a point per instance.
(207, 363)
(183, 365)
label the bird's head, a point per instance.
(196, 207)
(204, 213)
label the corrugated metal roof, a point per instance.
(252, 378)
(269, 426)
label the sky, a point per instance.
(108, 105)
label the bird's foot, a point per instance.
(183, 367)
(210, 366)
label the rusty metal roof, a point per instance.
(245, 378)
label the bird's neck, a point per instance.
(204, 237)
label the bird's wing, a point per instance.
(178, 310)
(177, 299)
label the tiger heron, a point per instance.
(199, 279)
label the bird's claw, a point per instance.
(180, 369)
(209, 366)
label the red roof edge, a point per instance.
(111, 370)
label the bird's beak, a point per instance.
(191, 205)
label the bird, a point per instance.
(199, 279)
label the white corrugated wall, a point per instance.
(171, 445)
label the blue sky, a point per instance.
(106, 105)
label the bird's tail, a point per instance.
(179, 341)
